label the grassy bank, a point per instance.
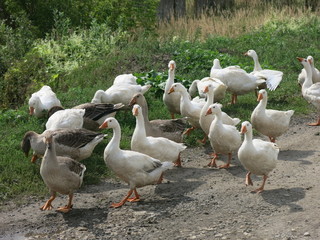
(278, 42)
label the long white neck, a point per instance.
(248, 137)
(114, 143)
(308, 81)
(145, 111)
(262, 105)
(185, 98)
(139, 131)
(170, 79)
(257, 66)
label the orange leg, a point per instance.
(228, 163)
(67, 208)
(178, 162)
(248, 179)
(187, 132)
(260, 189)
(160, 179)
(234, 98)
(172, 115)
(34, 158)
(316, 123)
(212, 163)
(123, 201)
(47, 205)
(204, 140)
(136, 198)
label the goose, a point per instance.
(257, 156)
(310, 91)
(199, 85)
(77, 144)
(95, 113)
(216, 65)
(67, 118)
(224, 139)
(61, 174)
(172, 101)
(269, 122)
(42, 101)
(237, 80)
(125, 79)
(206, 120)
(119, 94)
(188, 108)
(315, 73)
(154, 146)
(273, 77)
(134, 168)
(168, 128)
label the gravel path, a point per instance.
(193, 202)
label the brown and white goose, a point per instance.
(61, 174)
(75, 143)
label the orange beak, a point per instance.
(171, 90)
(104, 125)
(209, 111)
(171, 66)
(133, 101)
(31, 110)
(34, 158)
(135, 111)
(243, 129)
(206, 89)
(300, 59)
(309, 60)
(260, 97)
(246, 54)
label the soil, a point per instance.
(193, 202)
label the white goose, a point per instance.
(206, 120)
(119, 93)
(136, 169)
(169, 128)
(198, 86)
(154, 146)
(188, 108)
(42, 101)
(67, 118)
(224, 139)
(172, 101)
(311, 91)
(61, 174)
(77, 144)
(257, 156)
(315, 73)
(269, 122)
(273, 77)
(237, 80)
(125, 79)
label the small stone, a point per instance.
(306, 234)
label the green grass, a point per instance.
(277, 44)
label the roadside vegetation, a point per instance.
(76, 60)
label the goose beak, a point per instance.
(243, 129)
(300, 59)
(135, 111)
(260, 97)
(104, 125)
(34, 158)
(245, 54)
(171, 66)
(309, 60)
(209, 111)
(206, 89)
(133, 101)
(171, 90)
(31, 110)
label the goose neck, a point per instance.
(257, 66)
(140, 128)
(308, 81)
(114, 143)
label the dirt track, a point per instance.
(194, 202)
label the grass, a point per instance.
(278, 41)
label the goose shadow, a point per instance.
(296, 155)
(285, 197)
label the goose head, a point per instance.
(208, 88)
(33, 103)
(262, 95)
(216, 64)
(310, 60)
(251, 53)
(172, 65)
(214, 109)
(246, 127)
(110, 122)
(136, 110)
(305, 62)
(136, 99)
(177, 87)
